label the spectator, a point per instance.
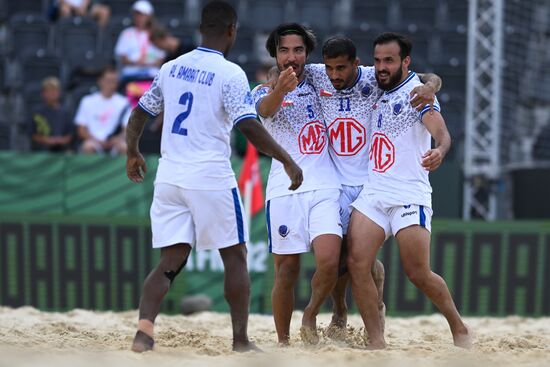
(94, 8)
(137, 56)
(102, 117)
(173, 46)
(261, 75)
(50, 127)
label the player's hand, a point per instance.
(135, 167)
(294, 172)
(432, 159)
(287, 81)
(421, 96)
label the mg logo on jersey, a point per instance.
(347, 136)
(312, 138)
(382, 153)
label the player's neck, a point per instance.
(353, 79)
(214, 45)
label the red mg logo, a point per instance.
(312, 138)
(347, 136)
(382, 153)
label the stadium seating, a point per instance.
(12, 7)
(417, 15)
(77, 39)
(29, 32)
(168, 10)
(455, 15)
(264, 15)
(371, 15)
(35, 67)
(317, 14)
(120, 7)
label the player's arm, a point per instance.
(435, 124)
(135, 163)
(262, 140)
(423, 95)
(271, 103)
(150, 105)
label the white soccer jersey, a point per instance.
(203, 96)
(399, 139)
(102, 116)
(298, 126)
(347, 113)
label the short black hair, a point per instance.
(339, 46)
(405, 44)
(216, 17)
(286, 29)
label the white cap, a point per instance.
(143, 6)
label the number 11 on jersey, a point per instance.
(344, 104)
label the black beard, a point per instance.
(392, 82)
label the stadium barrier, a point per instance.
(74, 233)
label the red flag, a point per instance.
(251, 177)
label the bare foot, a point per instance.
(247, 346)
(142, 342)
(337, 328)
(373, 344)
(464, 338)
(309, 335)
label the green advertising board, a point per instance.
(74, 233)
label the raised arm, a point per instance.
(263, 141)
(270, 104)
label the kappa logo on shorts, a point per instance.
(283, 231)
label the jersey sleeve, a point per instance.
(152, 101)
(258, 95)
(315, 74)
(237, 99)
(426, 108)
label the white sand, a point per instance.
(84, 338)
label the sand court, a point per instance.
(29, 337)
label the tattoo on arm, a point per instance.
(135, 127)
(431, 79)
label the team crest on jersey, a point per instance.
(397, 108)
(284, 230)
(325, 93)
(366, 91)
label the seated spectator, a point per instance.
(173, 46)
(94, 8)
(50, 127)
(102, 116)
(137, 56)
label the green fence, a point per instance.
(74, 232)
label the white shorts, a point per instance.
(206, 219)
(348, 195)
(393, 218)
(294, 221)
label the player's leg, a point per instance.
(237, 293)
(364, 239)
(173, 232)
(325, 230)
(379, 276)
(288, 238)
(326, 248)
(287, 269)
(337, 327)
(155, 287)
(101, 13)
(414, 247)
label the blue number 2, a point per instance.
(186, 100)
